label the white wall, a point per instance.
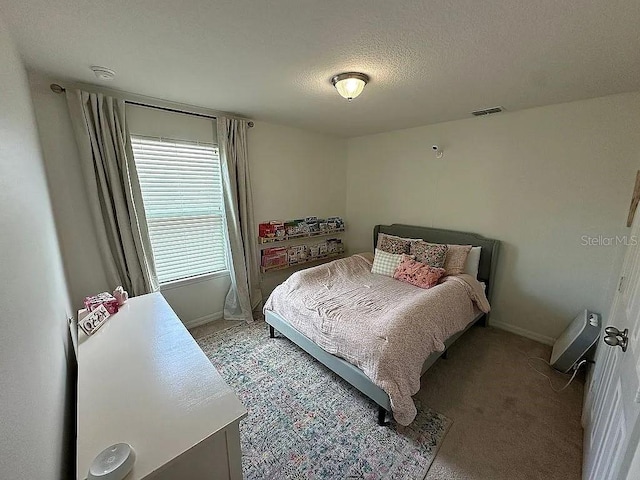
(36, 423)
(538, 180)
(295, 173)
(76, 233)
(153, 122)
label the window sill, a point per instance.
(188, 281)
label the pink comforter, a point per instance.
(385, 327)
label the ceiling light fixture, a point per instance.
(103, 73)
(350, 84)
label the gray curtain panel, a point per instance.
(244, 295)
(113, 190)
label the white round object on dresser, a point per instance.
(113, 463)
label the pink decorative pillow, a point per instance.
(416, 273)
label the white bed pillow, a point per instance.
(385, 263)
(472, 262)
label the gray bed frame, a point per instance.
(351, 373)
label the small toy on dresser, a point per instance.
(121, 295)
(91, 322)
(104, 298)
(98, 308)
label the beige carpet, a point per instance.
(507, 422)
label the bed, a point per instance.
(352, 373)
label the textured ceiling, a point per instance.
(429, 61)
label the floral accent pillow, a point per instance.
(456, 257)
(392, 244)
(416, 273)
(433, 254)
(385, 263)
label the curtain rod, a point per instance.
(60, 89)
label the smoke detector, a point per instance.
(103, 73)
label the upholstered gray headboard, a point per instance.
(488, 255)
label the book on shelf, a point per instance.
(281, 257)
(278, 230)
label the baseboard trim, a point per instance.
(522, 332)
(196, 322)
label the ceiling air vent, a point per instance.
(486, 111)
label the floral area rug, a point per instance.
(305, 422)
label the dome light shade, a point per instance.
(350, 85)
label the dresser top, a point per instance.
(143, 380)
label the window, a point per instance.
(181, 187)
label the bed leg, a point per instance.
(382, 417)
(484, 321)
(272, 332)
(445, 354)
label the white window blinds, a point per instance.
(181, 187)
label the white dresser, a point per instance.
(143, 380)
